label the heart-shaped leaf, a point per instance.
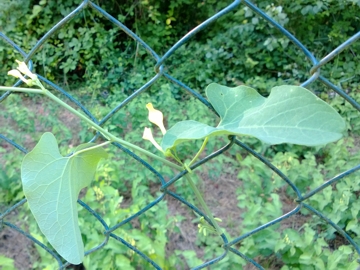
(51, 185)
(291, 114)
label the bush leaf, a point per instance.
(291, 114)
(51, 185)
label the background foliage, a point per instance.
(101, 66)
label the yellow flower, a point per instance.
(148, 136)
(22, 68)
(156, 117)
(25, 70)
(15, 73)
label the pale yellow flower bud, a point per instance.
(148, 136)
(23, 68)
(15, 73)
(156, 117)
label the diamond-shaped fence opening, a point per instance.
(112, 237)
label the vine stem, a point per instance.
(199, 152)
(20, 89)
(103, 131)
(91, 148)
(196, 190)
(203, 204)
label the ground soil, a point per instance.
(16, 246)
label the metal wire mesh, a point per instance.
(228, 244)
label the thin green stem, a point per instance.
(199, 152)
(203, 204)
(197, 192)
(19, 89)
(91, 148)
(107, 134)
(174, 156)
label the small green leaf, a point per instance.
(51, 185)
(6, 263)
(307, 257)
(291, 114)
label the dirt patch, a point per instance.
(220, 196)
(64, 117)
(36, 116)
(16, 246)
(356, 148)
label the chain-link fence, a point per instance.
(229, 245)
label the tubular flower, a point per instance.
(156, 117)
(15, 73)
(148, 136)
(22, 68)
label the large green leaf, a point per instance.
(51, 185)
(291, 114)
